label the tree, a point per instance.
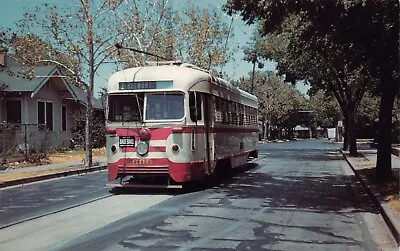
(382, 45)
(278, 101)
(29, 49)
(196, 36)
(356, 41)
(252, 55)
(326, 111)
(295, 55)
(84, 32)
(367, 115)
(149, 27)
(203, 38)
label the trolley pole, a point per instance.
(120, 46)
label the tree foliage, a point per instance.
(367, 115)
(278, 101)
(193, 35)
(146, 26)
(29, 49)
(306, 59)
(326, 111)
(202, 38)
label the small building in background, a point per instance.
(303, 132)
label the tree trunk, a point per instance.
(266, 130)
(384, 158)
(351, 132)
(269, 128)
(279, 136)
(89, 109)
(88, 131)
(290, 132)
(345, 133)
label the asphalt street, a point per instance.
(28, 201)
(296, 196)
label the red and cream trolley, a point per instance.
(176, 123)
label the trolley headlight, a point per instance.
(142, 148)
(113, 148)
(175, 148)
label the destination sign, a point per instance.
(143, 85)
(137, 85)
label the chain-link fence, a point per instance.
(28, 142)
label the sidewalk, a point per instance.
(361, 167)
(18, 176)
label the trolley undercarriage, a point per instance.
(146, 181)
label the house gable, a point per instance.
(17, 80)
(57, 81)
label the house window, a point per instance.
(14, 111)
(63, 118)
(45, 115)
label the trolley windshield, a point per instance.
(164, 106)
(145, 106)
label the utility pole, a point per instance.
(254, 61)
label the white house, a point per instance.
(37, 111)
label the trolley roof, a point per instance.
(183, 77)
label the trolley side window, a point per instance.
(164, 106)
(125, 108)
(195, 106)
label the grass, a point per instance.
(74, 156)
(30, 174)
(53, 157)
(389, 189)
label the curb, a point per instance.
(51, 176)
(384, 209)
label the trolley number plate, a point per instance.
(127, 141)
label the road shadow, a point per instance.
(325, 193)
(145, 191)
(190, 187)
(267, 205)
(309, 155)
(248, 190)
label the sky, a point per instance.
(12, 10)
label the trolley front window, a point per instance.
(125, 108)
(164, 106)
